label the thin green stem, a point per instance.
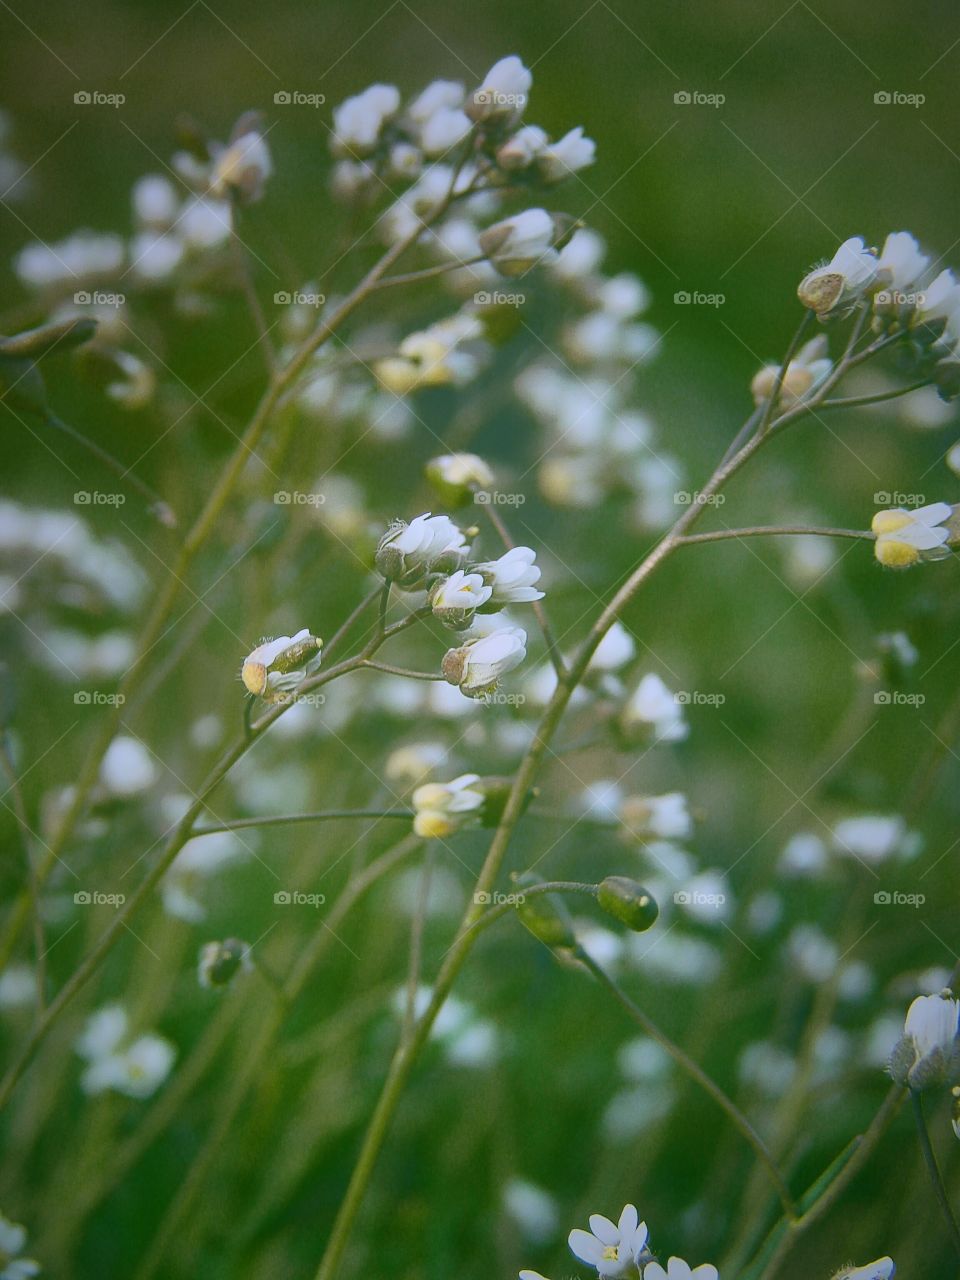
(773, 530)
(933, 1169)
(700, 1077)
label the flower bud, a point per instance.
(277, 667)
(428, 544)
(545, 916)
(220, 962)
(456, 477)
(927, 1054)
(454, 600)
(627, 901)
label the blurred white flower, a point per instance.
(874, 838)
(572, 152)
(502, 92)
(880, 1269)
(357, 121)
(532, 1209)
(615, 650)
(155, 200)
(136, 1068)
(813, 955)
(411, 764)
(654, 708)
(127, 767)
(18, 987)
(810, 367)
(519, 243)
(521, 149)
(85, 255)
(441, 808)
(804, 855)
(901, 262)
(13, 1239)
(666, 816)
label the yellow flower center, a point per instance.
(890, 521)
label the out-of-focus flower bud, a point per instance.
(628, 901)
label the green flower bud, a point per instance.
(628, 901)
(546, 917)
(220, 962)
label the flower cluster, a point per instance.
(135, 1066)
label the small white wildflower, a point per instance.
(502, 93)
(454, 600)
(411, 764)
(615, 650)
(127, 768)
(358, 120)
(456, 476)
(517, 244)
(615, 1249)
(677, 1269)
(927, 1052)
(809, 368)
(879, 1269)
(512, 578)
(666, 816)
(572, 152)
(901, 263)
(532, 1209)
(13, 1239)
(428, 544)
(874, 838)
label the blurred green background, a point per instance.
(739, 199)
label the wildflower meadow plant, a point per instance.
(395, 661)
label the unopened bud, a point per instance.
(628, 901)
(220, 962)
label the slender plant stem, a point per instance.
(933, 1169)
(291, 819)
(390, 669)
(553, 649)
(772, 400)
(428, 273)
(700, 1077)
(772, 530)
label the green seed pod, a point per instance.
(547, 919)
(628, 901)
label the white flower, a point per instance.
(127, 768)
(533, 1210)
(443, 130)
(653, 706)
(880, 1269)
(277, 667)
(677, 1269)
(242, 167)
(874, 838)
(155, 200)
(932, 1022)
(841, 281)
(437, 95)
(580, 256)
(433, 357)
(802, 376)
(478, 665)
(411, 764)
(573, 151)
(804, 854)
(512, 577)
(427, 544)
(666, 817)
(613, 1248)
(503, 91)
(204, 223)
(615, 650)
(358, 120)
(442, 807)
(454, 599)
(83, 255)
(901, 263)
(18, 986)
(13, 1238)
(519, 243)
(136, 1069)
(520, 150)
(456, 475)
(813, 955)
(940, 300)
(906, 537)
